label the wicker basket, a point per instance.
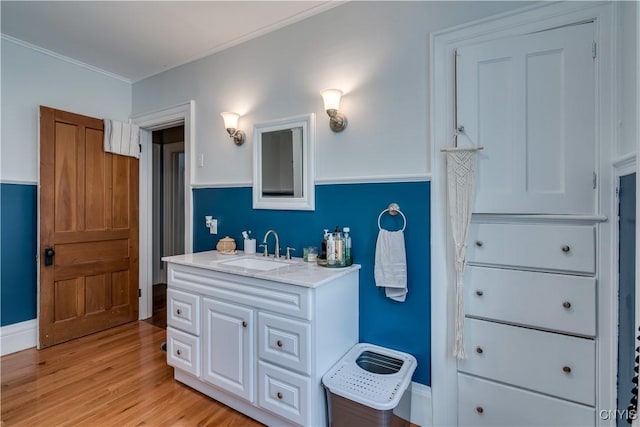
(226, 245)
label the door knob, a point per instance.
(49, 253)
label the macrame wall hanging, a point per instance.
(461, 172)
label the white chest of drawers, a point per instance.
(260, 346)
(530, 325)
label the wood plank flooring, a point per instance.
(117, 377)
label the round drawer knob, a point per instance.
(178, 312)
(279, 395)
(279, 343)
(566, 305)
(244, 323)
(566, 248)
(479, 350)
(178, 352)
(479, 409)
(479, 243)
(566, 369)
(479, 293)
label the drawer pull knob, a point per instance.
(279, 343)
(178, 312)
(566, 248)
(279, 395)
(566, 305)
(479, 243)
(479, 409)
(244, 323)
(566, 369)
(479, 293)
(479, 350)
(178, 352)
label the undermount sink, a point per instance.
(255, 263)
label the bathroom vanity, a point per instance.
(257, 334)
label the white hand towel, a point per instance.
(122, 138)
(390, 269)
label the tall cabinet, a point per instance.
(532, 275)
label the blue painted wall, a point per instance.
(402, 326)
(18, 240)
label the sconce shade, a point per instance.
(230, 120)
(331, 98)
(231, 125)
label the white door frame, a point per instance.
(157, 120)
(442, 45)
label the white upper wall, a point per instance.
(376, 52)
(31, 78)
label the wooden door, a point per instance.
(530, 101)
(88, 213)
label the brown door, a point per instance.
(88, 230)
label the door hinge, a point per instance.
(594, 50)
(139, 293)
(595, 180)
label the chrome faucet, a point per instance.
(266, 248)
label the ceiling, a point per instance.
(133, 40)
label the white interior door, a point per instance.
(530, 102)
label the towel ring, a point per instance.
(393, 210)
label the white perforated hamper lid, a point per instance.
(378, 391)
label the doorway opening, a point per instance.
(168, 175)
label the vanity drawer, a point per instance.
(183, 311)
(183, 351)
(485, 403)
(537, 246)
(545, 300)
(285, 342)
(284, 393)
(550, 363)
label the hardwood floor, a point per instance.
(117, 377)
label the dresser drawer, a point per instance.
(545, 300)
(485, 403)
(183, 351)
(550, 363)
(536, 246)
(284, 393)
(183, 311)
(285, 342)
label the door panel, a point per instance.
(88, 212)
(530, 102)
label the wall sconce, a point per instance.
(331, 97)
(231, 124)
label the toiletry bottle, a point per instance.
(347, 246)
(323, 245)
(340, 250)
(331, 251)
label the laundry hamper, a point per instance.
(366, 385)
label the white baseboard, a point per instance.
(18, 336)
(421, 411)
(415, 405)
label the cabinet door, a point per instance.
(228, 347)
(530, 102)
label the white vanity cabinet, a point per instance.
(259, 341)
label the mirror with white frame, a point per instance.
(283, 163)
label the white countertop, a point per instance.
(294, 271)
